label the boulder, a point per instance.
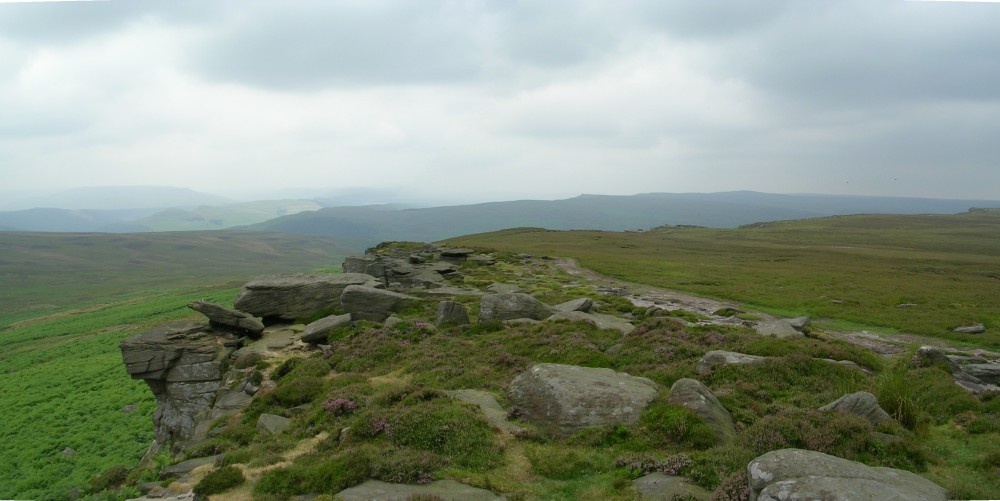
(971, 329)
(798, 323)
(317, 332)
(563, 399)
(508, 306)
(369, 303)
(987, 373)
(788, 474)
(718, 357)
(440, 489)
(182, 364)
(273, 423)
(598, 320)
(459, 254)
(662, 487)
(777, 328)
(222, 316)
(861, 403)
(452, 313)
(291, 297)
(696, 396)
(582, 304)
(185, 467)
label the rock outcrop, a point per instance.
(861, 403)
(662, 487)
(317, 332)
(778, 329)
(596, 319)
(966, 375)
(440, 489)
(291, 297)
(182, 364)
(369, 303)
(510, 306)
(694, 395)
(716, 358)
(563, 399)
(789, 474)
(451, 313)
(583, 304)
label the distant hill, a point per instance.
(219, 217)
(68, 220)
(122, 197)
(598, 212)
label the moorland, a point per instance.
(910, 279)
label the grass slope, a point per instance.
(220, 217)
(855, 269)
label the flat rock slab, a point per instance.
(291, 297)
(185, 467)
(662, 487)
(273, 423)
(317, 332)
(487, 402)
(788, 474)
(860, 403)
(369, 303)
(583, 304)
(987, 373)
(598, 320)
(716, 358)
(563, 399)
(498, 288)
(448, 490)
(696, 396)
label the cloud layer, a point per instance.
(491, 100)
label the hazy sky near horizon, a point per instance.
(490, 99)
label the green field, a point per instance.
(66, 303)
(852, 271)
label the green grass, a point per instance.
(853, 269)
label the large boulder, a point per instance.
(273, 423)
(220, 315)
(716, 358)
(290, 297)
(317, 332)
(508, 306)
(369, 303)
(563, 399)
(861, 403)
(777, 328)
(789, 474)
(182, 364)
(452, 313)
(696, 396)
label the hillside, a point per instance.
(216, 217)
(118, 197)
(596, 212)
(48, 272)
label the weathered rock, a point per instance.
(971, 329)
(964, 360)
(595, 319)
(849, 364)
(483, 260)
(927, 356)
(582, 304)
(788, 474)
(696, 396)
(452, 313)
(987, 373)
(181, 363)
(228, 317)
(392, 321)
(715, 358)
(777, 328)
(317, 332)
(662, 487)
(459, 254)
(449, 490)
(273, 423)
(861, 403)
(492, 411)
(369, 303)
(290, 297)
(508, 306)
(798, 323)
(564, 399)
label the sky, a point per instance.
(480, 100)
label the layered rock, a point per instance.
(219, 315)
(788, 474)
(564, 399)
(182, 364)
(861, 403)
(317, 332)
(369, 303)
(596, 319)
(290, 297)
(967, 376)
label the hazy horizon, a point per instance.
(449, 102)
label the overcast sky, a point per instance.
(496, 99)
